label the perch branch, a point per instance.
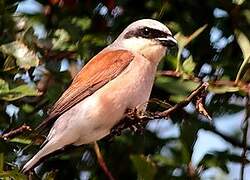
(183, 103)
(136, 122)
(15, 132)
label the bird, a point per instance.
(119, 77)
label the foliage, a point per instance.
(45, 44)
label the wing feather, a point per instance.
(99, 71)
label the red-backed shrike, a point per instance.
(118, 78)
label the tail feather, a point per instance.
(49, 148)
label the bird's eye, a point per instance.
(146, 32)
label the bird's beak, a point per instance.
(168, 41)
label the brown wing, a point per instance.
(100, 70)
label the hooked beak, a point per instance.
(168, 41)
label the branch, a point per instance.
(15, 132)
(101, 162)
(136, 122)
(243, 86)
(184, 103)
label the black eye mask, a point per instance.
(146, 32)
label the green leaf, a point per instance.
(178, 88)
(1, 162)
(164, 161)
(223, 89)
(184, 41)
(145, 168)
(28, 108)
(17, 92)
(13, 174)
(62, 41)
(25, 57)
(83, 23)
(188, 65)
(21, 140)
(4, 87)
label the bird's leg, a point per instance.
(134, 121)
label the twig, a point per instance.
(244, 140)
(191, 171)
(136, 122)
(184, 103)
(243, 86)
(15, 132)
(101, 162)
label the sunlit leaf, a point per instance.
(238, 2)
(244, 44)
(61, 41)
(17, 92)
(21, 140)
(223, 89)
(188, 65)
(83, 23)
(185, 40)
(25, 58)
(4, 87)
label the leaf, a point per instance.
(1, 162)
(4, 87)
(164, 161)
(244, 44)
(83, 23)
(223, 89)
(188, 65)
(21, 140)
(178, 88)
(17, 92)
(145, 168)
(13, 174)
(238, 2)
(9, 64)
(61, 41)
(185, 40)
(25, 57)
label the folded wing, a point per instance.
(99, 71)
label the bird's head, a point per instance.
(148, 37)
